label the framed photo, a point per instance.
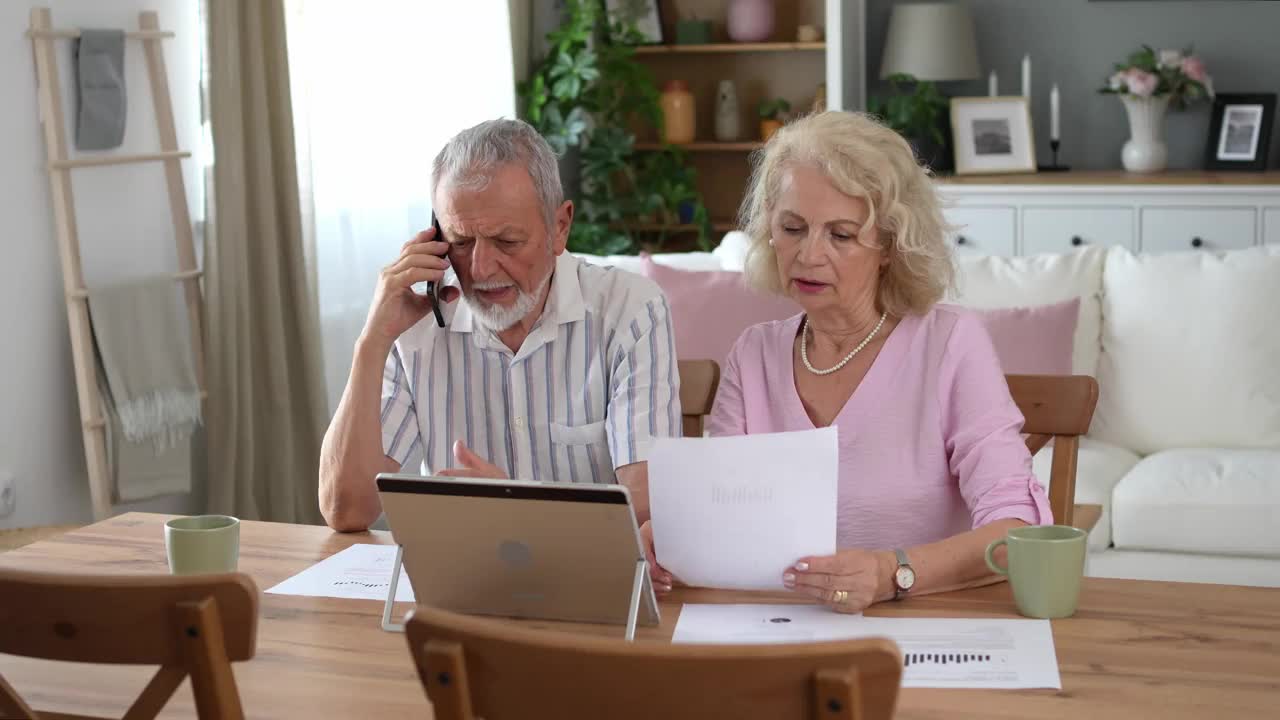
(1240, 132)
(645, 13)
(992, 135)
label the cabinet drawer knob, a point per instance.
(1077, 240)
(1196, 242)
(961, 240)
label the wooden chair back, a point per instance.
(1058, 408)
(188, 625)
(483, 668)
(699, 380)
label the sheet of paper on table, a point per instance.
(735, 512)
(992, 653)
(361, 572)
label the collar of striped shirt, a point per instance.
(564, 301)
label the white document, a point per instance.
(936, 652)
(361, 572)
(736, 512)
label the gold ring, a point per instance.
(839, 596)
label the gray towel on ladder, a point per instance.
(148, 377)
(101, 102)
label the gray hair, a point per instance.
(470, 158)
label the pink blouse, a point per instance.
(930, 441)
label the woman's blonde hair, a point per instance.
(863, 159)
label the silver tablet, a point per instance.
(556, 551)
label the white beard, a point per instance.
(496, 317)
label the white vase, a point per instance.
(1145, 152)
(728, 118)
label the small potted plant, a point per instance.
(918, 112)
(1148, 82)
(772, 114)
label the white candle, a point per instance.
(1026, 76)
(992, 84)
(1053, 112)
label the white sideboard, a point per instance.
(1054, 212)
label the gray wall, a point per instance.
(1075, 42)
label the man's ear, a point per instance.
(564, 221)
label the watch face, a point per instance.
(905, 577)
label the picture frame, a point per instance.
(1240, 132)
(992, 135)
(648, 14)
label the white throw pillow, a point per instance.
(1002, 282)
(1190, 350)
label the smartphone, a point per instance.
(433, 288)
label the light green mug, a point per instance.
(1046, 563)
(202, 544)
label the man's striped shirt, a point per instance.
(594, 382)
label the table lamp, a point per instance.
(931, 41)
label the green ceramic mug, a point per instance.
(1046, 563)
(202, 544)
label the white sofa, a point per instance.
(1184, 451)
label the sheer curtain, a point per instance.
(379, 86)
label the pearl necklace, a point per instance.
(804, 347)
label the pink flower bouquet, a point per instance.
(1176, 73)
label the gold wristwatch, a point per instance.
(904, 578)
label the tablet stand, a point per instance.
(391, 593)
(633, 612)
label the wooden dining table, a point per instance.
(1134, 649)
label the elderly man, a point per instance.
(548, 368)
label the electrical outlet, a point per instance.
(8, 493)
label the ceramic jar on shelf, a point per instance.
(679, 121)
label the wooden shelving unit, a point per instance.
(765, 70)
(731, 48)
(717, 225)
(705, 146)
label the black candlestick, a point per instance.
(1055, 167)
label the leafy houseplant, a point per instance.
(917, 115)
(585, 95)
(1148, 83)
(772, 115)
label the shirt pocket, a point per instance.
(578, 435)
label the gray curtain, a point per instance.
(266, 408)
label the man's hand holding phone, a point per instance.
(396, 307)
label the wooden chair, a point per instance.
(193, 625)
(1058, 408)
(699, 380)
(483, 668)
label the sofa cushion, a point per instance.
(1190, 350)
(1201, 501)
(1004, 282)
(632, 263)
(1034, 340)
(711, 309)
(1098, 468)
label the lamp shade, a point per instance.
(931, 41)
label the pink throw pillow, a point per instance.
(1035, 340)
(711, 308)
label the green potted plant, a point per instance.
(584, 97)
(918, 112)
(772, 114)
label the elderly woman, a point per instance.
(932, 463)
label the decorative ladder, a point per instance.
(93, 415)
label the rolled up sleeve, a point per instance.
(983, 432)
(401, 438)
(644, 385)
